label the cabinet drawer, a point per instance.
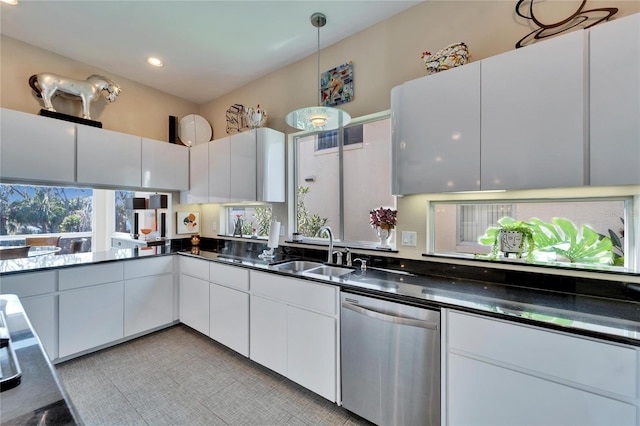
(305, 294)
(194, 267)
(146, 267)
(605, 366)
(29, 284)
(230, 276)
(84, 276)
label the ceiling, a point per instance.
(209, 48)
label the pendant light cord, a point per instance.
(319, 80)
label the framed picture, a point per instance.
(337, 85)
(187, 222)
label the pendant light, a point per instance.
(318, 117)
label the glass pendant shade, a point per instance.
(318, 117)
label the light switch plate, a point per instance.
(409, 238)
(214, 227)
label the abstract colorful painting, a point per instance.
(187, 222)
(336, 85)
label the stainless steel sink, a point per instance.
(330, 271)
(295, 266)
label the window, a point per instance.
(248, 221)
(456, 225)
(338, 187)
(45, 211)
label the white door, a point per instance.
(268, 331)
(194, 303)
(533, 116)
(90, 317)
(229, 319)
(148, 303)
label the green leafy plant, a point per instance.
(263, 216)
(308, 224)
(563, 237)
(508, 224)
(618, 245)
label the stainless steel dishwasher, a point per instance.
(390, 361)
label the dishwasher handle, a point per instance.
(390, 318)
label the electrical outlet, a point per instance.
(409, 238)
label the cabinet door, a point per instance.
(268, 331)
(35, 148)
(194, 303)
(243, 167)
(614, 96)
(148, 303)
(311, 351)
(219, 170)
(41, 311)
(270, 165)
(436, 132)
(533, 116)
(480, 393)
(229, 318)
(165, 166)
(108, 158)
(90, 317)
(195, 267)
(199, 174)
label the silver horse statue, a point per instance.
(47, 85)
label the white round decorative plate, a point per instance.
(194, 129)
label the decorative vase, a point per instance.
(511, 242)
(384, 233)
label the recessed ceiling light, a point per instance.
(10, 1)
(156, 62)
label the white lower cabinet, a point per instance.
(194, 303)
(90, 317)
(36, 292)
(268, 331)
(311, 351)
(148, 303)
(229, 318)
(293, 329)
(41, 311)
(501, 373)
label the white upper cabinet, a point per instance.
(614, 65)
(164, 165)
(219, 170)
(199, 174)
(108, 158)
(436, 132)
(242, 166)
(270, 167)
(247, 166)
(533, 116)
(36, 149)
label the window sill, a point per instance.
(341, 244)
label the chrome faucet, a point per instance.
(328, 231)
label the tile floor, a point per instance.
(177, 376)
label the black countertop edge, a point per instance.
(43, 263)
(501, 316)
(576, 314)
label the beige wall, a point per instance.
(139, 109)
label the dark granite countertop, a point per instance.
(611, 318)
(588, 306)
(37, 263)
(39, 399)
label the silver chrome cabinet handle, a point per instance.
(390, 318)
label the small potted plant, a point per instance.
(383, 220)
(510, 237)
